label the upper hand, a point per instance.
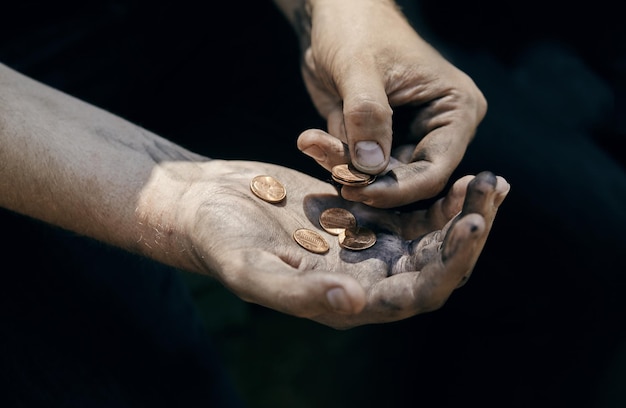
(418, 260)
(365, 60)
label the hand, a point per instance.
(419, 258)
(363, 62)
(125, 186)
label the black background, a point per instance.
(541, 322)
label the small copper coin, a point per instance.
(311, 240)
(346, 174)
(267, 188)
(335, 220)
(357, 239)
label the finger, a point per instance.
(403, 184)
(409, 293)
(393, 298)
(424, 281)
(260, 277)
(327, 103)
(367, 120)
(439, 214)
(449, 264)
(463, 245)
(405, 295)
(443, 274)
(336, 126)
(449, 114)
(485, 193)
(326, 150)
(430, 166)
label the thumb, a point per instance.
(273, 283)
(368, 120)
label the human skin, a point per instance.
(80, 168)
(361, 62)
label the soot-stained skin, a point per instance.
(420, 256)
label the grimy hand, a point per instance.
(363, 62)
(418, 260)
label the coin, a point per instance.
(267, 188)
(335, 220)
(346, 174)
(311, 240)
(357, 238)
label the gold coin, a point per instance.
(267, 188)
(311, 240)
(335, 220)
(357, 238)
(346, 174)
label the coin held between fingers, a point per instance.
(347, 175)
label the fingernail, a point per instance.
(369, 154)
(339, 301)
(315, 152)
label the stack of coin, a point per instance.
(357, 239)
(347, 175)
(341, 222)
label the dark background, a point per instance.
(541, 322)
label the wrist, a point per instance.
(164, 216)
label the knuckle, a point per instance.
(366, 110)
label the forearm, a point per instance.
(83, 169)
(299, 12)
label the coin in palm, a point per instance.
(311, 240)
(357, 239)
(267, 188)
(334, 220)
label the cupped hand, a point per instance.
(418, 260)
(364, 61)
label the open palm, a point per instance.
(419, 257)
